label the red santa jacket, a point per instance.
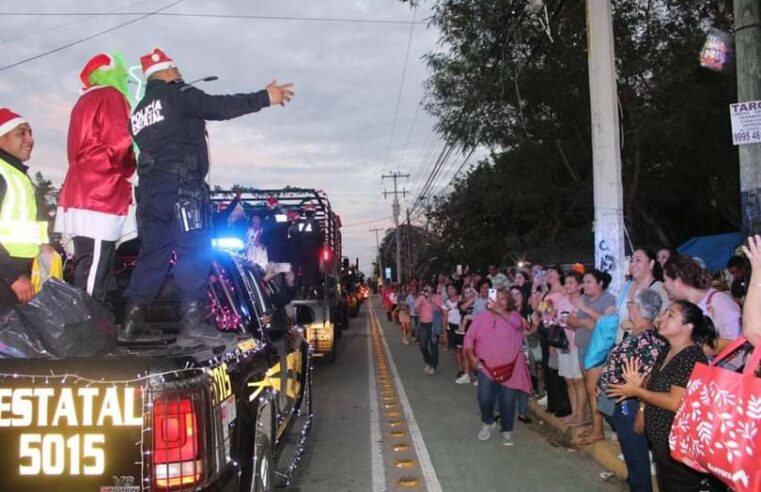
(96, 193)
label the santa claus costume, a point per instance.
(96, 194)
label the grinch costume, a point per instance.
(94, 203)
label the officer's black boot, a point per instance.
(196, 331)
(134, 326)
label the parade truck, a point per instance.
(323, 298)
(148, 415)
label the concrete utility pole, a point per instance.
(606, 148)
(748, 52)
(380, 254)
(409, 246)
(396, 209)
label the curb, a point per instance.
(605, 452)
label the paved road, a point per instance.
(342, 455)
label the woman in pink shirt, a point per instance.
(494, 339)
(425, 305)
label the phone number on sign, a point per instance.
(746, 137)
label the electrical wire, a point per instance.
(401, 87)
(87, 38)
(366, 222)
(216, 16)
(66, 24)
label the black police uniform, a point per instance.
(173, 209)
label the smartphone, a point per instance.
(282, 267)
(458, 270)
(493, 295)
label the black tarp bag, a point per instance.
(60, 321)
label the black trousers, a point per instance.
(94, 267)
(557, 393)
(160, 235)
(674, 476)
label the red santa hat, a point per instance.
(96, 62)
(9, 120)
(155, 61)
(271, 201)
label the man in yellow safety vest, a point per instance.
(21, 235)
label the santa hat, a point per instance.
(101, 60)
(155, 61)
(292, 214)
(9, 120)
(309, 207)
(271, 201)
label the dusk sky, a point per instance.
(336, 134)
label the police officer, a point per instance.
(21, 235)
(173, 211)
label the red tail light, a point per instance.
(327, 254)
(176, 443)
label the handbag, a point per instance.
(502, 373)
(716, 429)
(556, 337)
(604, 334)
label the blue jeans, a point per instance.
(429, 344)
(634, 446)
(490, 392)
(522, 403)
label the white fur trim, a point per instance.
(97, 225)
(10, 125)
(158, 67)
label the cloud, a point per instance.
(334, 136)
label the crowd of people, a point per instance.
(529, 332)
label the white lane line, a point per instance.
(429, 473)
(376, 445)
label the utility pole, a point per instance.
(748, 51)
(380, 255)
(395, 208)
(606, 147)
(409, 246)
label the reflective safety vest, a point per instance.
(20, 232)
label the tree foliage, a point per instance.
(501, 81)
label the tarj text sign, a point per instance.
(746, 122)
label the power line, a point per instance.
(66, 24)
(215, 16)
(87, 38)
(366, 222)
(401, 87)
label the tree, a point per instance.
(46, 197)
(500, 81)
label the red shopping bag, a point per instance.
(717, 428)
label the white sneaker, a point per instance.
(542, 401)
(426, 368)
(485, 433)
(432, 371)
(475, 381)
(464, 379)
(507, 439)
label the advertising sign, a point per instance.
(746, 122)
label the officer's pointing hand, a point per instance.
(279, 94)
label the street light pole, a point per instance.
(606, 148)
(380, 255)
